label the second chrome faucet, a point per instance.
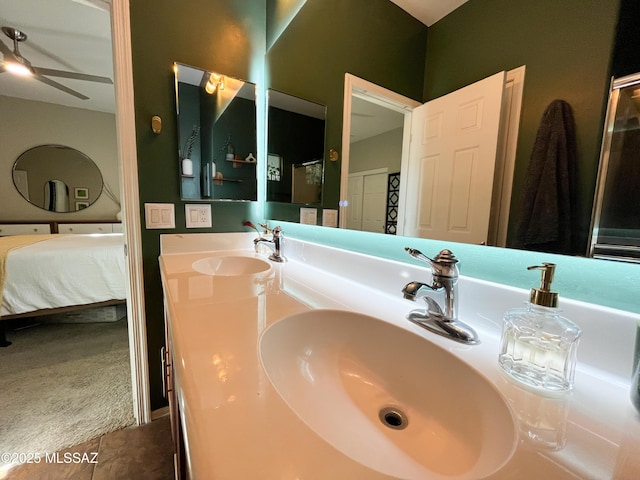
(276, 242)
(442, 320)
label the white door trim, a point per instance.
(355, 86)
(126, 133)
(506, 156)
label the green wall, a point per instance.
(217, 35)
(566, 45)
(372, 39)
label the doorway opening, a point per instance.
(368, 104)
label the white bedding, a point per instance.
(65, 271)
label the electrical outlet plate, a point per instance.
(197, 215)
(159, 215)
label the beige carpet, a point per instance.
(63, 384)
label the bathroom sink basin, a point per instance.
(388, 398)
(231, 266)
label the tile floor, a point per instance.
(143, 452)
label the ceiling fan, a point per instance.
(14, 62)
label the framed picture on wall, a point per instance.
(274, 167)
(81, 193)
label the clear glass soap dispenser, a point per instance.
(538, 347)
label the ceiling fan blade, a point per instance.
(59, 86)
(76, 76)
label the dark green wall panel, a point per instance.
(224, 36)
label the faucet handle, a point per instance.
(417, 254)
(443, 264)
(265, 227)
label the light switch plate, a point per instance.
(329, 217)
(197, 215)
(159, 215)
(309, 216)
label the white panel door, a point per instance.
(354, 208)
(374, 202)
(451, 163)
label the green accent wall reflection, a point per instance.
(567, 48)
(372, 39)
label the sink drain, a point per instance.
(393, 418)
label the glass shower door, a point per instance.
(615, 231)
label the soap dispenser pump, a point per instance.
(538, 348)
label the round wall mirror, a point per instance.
(57, 178)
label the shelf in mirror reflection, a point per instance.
(224, 115)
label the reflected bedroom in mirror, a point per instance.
(57, 178)
(295, 139)
(216, 135)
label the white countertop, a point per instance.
(237, 426)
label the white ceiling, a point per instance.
(429, 11)
(70, 35)
(75, 35)
(369, 119)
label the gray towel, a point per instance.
(545, 213)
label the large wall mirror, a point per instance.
(583, 54)
(216, 135)
(295, 143)
(57, 178)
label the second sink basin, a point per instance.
(388, 398)
(231, 266)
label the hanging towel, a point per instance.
(545, 213)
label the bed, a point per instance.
(44, 274)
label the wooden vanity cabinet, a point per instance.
(179, 461)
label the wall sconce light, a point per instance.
(214, 83)
(211, 85)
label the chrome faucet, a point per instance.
(276, 241)
(444, 272)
